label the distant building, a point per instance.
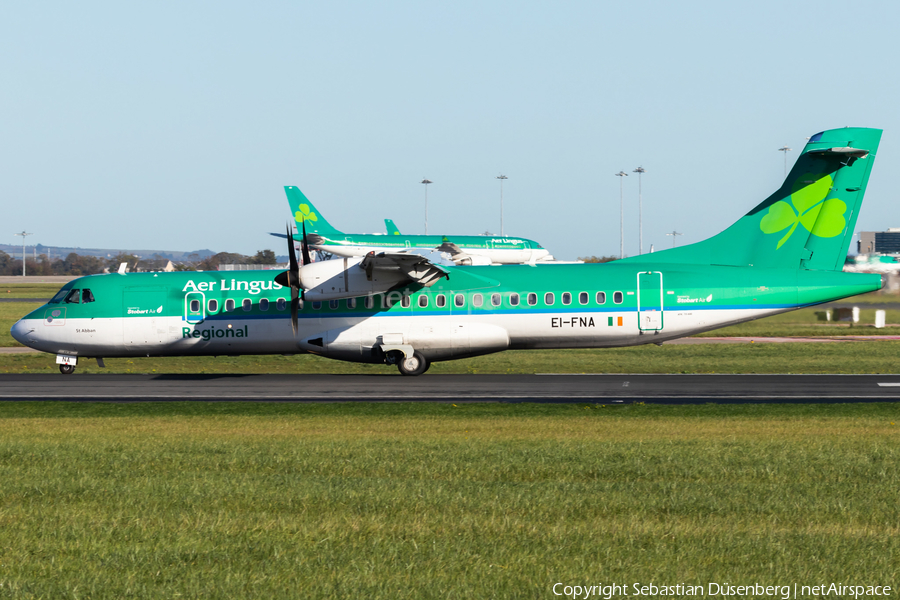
(881, 242)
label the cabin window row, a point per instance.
(389, 300)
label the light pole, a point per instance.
(673, 234)
(621, 174)
(426, 182)
(501, 178)
(23, 234)
(640, 171)
(785, 149)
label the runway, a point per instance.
(603, 389)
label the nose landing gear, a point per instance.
(66, 369)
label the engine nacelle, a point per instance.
(343, 278)
(474, 260)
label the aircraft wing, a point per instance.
(417, 268)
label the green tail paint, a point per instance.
(391, 228)
(304, 211)
(808, 222)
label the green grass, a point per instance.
(421, 501)
(29, 290)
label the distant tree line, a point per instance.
(76, 264)
(597, 259)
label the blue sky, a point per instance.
(174, 126)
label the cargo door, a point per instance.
(650, 301)
(144, 325)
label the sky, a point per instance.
(175, 125)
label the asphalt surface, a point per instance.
(668, 389)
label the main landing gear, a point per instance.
(413, 365)
(408, 365)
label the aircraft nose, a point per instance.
(21, 331)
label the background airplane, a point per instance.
(403, 309)
(461, 249)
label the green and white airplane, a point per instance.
(461, 249)
(402, 309)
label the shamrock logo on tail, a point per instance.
(807, 207)
(304, 214)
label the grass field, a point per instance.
(437, 501)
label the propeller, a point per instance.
(291, 277)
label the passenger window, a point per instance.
(423, 301)
(495, 299)
(532, 298)
(388, 300)
(74, 297)
(514, 299)
(317, 305)
(601, 297)
(567, 298)
(87, 296)
(477, 300)
(212, 306)
(404, 301)
(333, 304)
(351, 303)
(280, 304)
(549, 299)
(247, 304)
(229, 305)
(441, 301)
(370, 301)
(459, 300)
(617, 297)
(583, 298)
(263, 304)
(195, 306)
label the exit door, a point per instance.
(194, 307)
(650, 300)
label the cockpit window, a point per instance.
(59, 297)
(74, 297)
(86, 296)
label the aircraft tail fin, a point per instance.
(391, 228)
(304, 211)
(809, 221)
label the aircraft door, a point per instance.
(194, 307)
(650, 301)
(144, 326)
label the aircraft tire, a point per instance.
(66, 369)
(415, 365)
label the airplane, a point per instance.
(462, 249)
(785, 253)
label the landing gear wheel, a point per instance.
(66, 369)
(414, 365)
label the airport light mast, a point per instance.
(785, 149)
(640, 171)
(23, 234)
(501, 178)
(621, 174)
(673, 234)
(426, 181)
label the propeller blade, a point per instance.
(304, 245)
(292, 254)
(295, 305)
(291, 279)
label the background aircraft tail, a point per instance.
(809, 221)
(391, 228)
(303, 210)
